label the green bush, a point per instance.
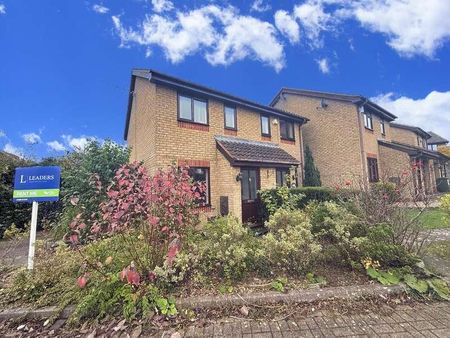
(85, 176)
(379, 246)
(445, 203)
(225, 248)
(290, 245)
(334, 227)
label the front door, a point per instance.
(249, 188)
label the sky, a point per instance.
(65, 65)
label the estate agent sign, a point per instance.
(40, 184)
(33, 185)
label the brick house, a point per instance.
(342, 134)
(410, 145)
(233, 144)
(352, 137)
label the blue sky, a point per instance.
(65, 65)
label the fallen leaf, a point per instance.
(92, 334)
(244, 310)
(120, 326)
(175, 335)
(136, 332)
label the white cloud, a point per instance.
(2, 9)
(246, 37)
(287, 26)
(219, 33)
(324, 65)
(413, 27)
(56, 146)
(259, 6)
(31, 138)
(100, 9)
(2, 133)
(160, 6)
(10, 148)
(430, 113)
(313, 20)
(77, 143)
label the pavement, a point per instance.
(419, 320)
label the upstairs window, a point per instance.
(372, 165)
(287, 130)
(201, 175)
(192, 109)
(382, 127)
(265, 125)
(368, 121)
(230, 118)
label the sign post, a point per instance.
(36, 184)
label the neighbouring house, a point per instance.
(436, 141)
(342, 133)
(409, 148)
(234, 145)
(352, 137)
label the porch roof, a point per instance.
(413, 151)
(436, 139)
(242, 152)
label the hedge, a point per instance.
(320, 194)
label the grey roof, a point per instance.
(245, 152)
(413, 150)
(436, 139)
(355, 99)
(411, 128)
(196, 89)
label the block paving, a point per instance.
(419, 320)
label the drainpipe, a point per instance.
(361, 141)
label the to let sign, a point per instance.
(37, 184)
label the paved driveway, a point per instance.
(421, 320)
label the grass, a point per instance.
(432, 218)
(440, 249)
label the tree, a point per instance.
(11, 213)
(312, 174)
(85, 175)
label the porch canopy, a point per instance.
(241, 152)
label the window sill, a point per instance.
(193, 125)
(368, 129)
(266, 137)
(231, 132)
(287, 141)
(204, 208)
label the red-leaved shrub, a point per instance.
(150, 213)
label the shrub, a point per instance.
(154, 211)
(445, 203)
(379, 246)
(290, 245)
(225, 248)
(297, 198)
(85, 176)
(333, 225)
(282, 197)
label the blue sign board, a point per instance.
(40, 184)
